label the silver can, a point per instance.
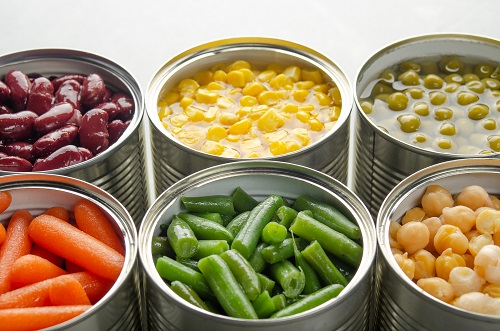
(120, 169)
(36, 192)
(401, 304)
(351, 310)
(381, 160)
(173, 160)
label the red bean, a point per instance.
(54, 140)
(63, 157)
(19, 85)
(17, 126)
(125, 105)
(15, 163)
(76, 119)
(20, 149)
(61, 79)
(93, 91)
(5, 110)
(107, 95)
(41, 96)
(69, 91)
(4, 93)
(58, 115)
(111, 108)
(2, 154)
(116, 129)
(93, 131)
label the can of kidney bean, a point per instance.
(250, 98)
(119, 308)
(351, 310)
(401, 304)
(117, 162)
(421, 101)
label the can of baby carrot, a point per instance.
(248, 98)
(109, 302)
(51, 95)
(440, 284)
(261, 182)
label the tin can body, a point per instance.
(36, 192)
(120, 169)
(381, 160)
(351, 310)
(173, 160)
(401, 304)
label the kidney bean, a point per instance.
(93, 131)
(107, 95)
(15, 164)
(41, 96)
(111, 108)
(20, 149)
(5, 110)
(63, 157)
(86, 154)
(4, 93)
(116, 129)
(17, 126)
(58, 115)
(76, 119)
(69, 91)
(19, 85)
(93, 90)
(57, 81)
(125, 105)
(2, 154)
(54, 140)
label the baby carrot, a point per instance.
(16, 244)
(5, 200)
(33, 295)
(46, 254)
(59, 212)
(67, 291)
(76, 246)
(3, 233)
(90, 219)
(95, 287)
(27, 319)
(29, 269)
(71, 267)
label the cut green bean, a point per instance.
(289, 277)
(273, 233)
(310, 301)
(312, 281)
(160, 246)
(316, 256)
(286, 215)
(257, 260)
(243, 272)
(205, 229)
(226, 288)
(188, 262)
(266, 283)
(279, 301)
(182, 238)
(237, 223)
(222, 204)
(214, 217)
(345, 269)
(188, 294)
(247, 239)
(328, 215)
(279, 252)
(209, 247)
(332, 241)
(264, 305)
(226, 219)
(242, 201)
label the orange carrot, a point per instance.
(95, 287)
(3, 233)
(70, 267)
(76, 246)
(29, 269)
(5, 200)
(59, 212)
(67, 291)
(34, 295)
(28, 319)
(48, 255)
(16, 244)
(90, 219)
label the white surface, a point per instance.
(142, 35)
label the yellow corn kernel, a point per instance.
(283, 94)
(277, 147)
(185, 101)
(315, 124)
(188, 84)
(241, 127)
(215, 86)
(228, 118)
(243, 111)
(216, 133)
(334, 113)
(254, 132)
(312, 75)
(279, 81)
(303, 116)
(233, 137)
(235, 91)
(225, 102)
(291, 146)
(179, 120)
(270, 121)
(303, 135)
(164, 112)
(249, 75)
(323, 99)
(268, 98)
(300, 95)
(253, 155)
(171, 97)
(249, 144)
(266, 75)
(191, 137)
(162, 104)
(236, 78)
(248, 101)
(239, 64)
(175, 130)
(206, 96)
(220, 76)
(304, 84)
(292, 72)
(256, 113)
(290, 108)
(212, 147)
(195, 113)
(203, 77)
(274, 136)
(253, 89)
(211, 114)
(323, 88)
(308, 107)
(334, 93)
(231, 153)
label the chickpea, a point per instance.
(476, 243)
(449, 236)
(465, 280)
(433, 224)
(406, 264)
(416, 214)
(393, 231)
(437, 287)
(425, 264)
(474, 196)
(488, 221)
(436, 198)
(487, 263)
(446, 262)
(413, 236)
(476, 302)
(460, 216)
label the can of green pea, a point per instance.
(350, 310)
(421, 101)
(401, 303)
(248, 98)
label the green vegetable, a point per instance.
(264, 305)
(188, 294)
(266, 283)
(208, 247)
(279, 252)
(182, 238)
(160, 246)
(312, 281)
(214, 217)
(243, 272)
(273, 233)
(222, 204)
(257, 260)
(279, 301)
(290, 278)
(188, 262)
(286, 215)
(205, 229)
(242, 201)
(316, 256)
(237, 223)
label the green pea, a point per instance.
(367, 106)
(429, 67)
(448, 129)
(483, 70)
(496, 94)
(454, 78)
(451, 65)
(409, 65)
(382, 97)
(491, 83)
(382, 88)
(466, 98)
(397, 101)
(478, 111)
(452, 87)
(415, 93)
(444, 143)
(409, 123)
(496, 73)
(420, 138)
(409, 78)
(433, 81)
(490, 124)
(470, 77)
(421, 108)
(388, 75)
(441, 114)
(497, 105)
(475, 86)
(494, 142)
(437, 98)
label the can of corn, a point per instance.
(119, 308)
(120, 168)
(247, 98)
(351, 310)
(421, 101)
(401, 303)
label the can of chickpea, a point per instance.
(111, 300)
(77, 114)
(248, 98)
(421, 101)
(167, 310)
(446, 274)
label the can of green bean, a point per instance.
(265, 182)
(118, 305)
(421, 101)
(406, 304)
(248, 98)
